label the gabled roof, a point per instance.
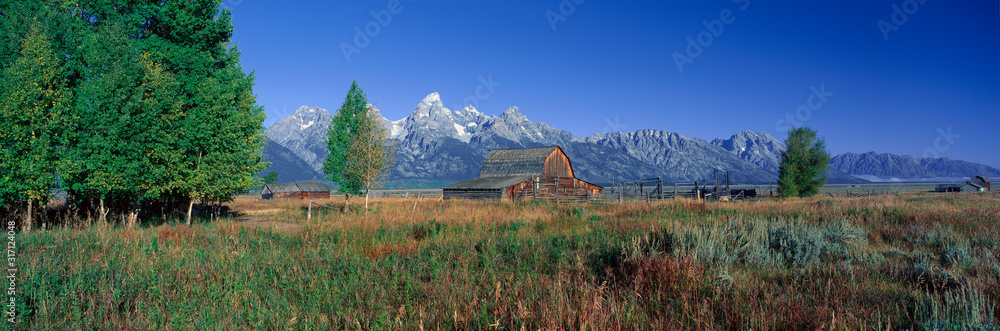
(489, 183)
(524, 162)
(297, 187)
(980, 180)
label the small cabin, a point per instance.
(542, 172)
(299, 191)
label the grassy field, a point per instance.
(889, 262)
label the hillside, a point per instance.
(891, 167)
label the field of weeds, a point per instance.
(889, 262)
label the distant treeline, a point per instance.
(129, 106)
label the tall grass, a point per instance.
(884, 263)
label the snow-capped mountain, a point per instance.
(304, 133)
(436, 144)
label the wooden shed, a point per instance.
(542, 172)
(981, 181)
(301, 191)
(976, 184)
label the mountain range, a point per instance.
(435, 145)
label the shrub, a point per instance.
(800, 246)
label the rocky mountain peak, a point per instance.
(305, 117)
(513, 114)
(759, 148)
(430, 106)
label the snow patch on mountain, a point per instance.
(303, 126)
(462, 135)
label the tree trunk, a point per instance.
(133, 216)
(27, 222)
(103, 212)
(347, 200)
(43, 218)
(367, 193)
(190, 207)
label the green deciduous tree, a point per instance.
(803, 165)
(371, 153)
(119, 134)
(159, 107)
(34, 101)
(271, 177)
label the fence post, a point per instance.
(557, 189)
(659, 188)
(534, 188)
(309, 215)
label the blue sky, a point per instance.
(931, 88)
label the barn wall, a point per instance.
(319, 195)
(301, 196)
(557, 165)
(546, 188)
(473, 194)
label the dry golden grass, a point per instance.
(911, 261)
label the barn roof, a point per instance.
(980, 180)
(523, 162)
(489, 183)
(297, 187)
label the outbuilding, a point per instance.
(301, 191)
(976, 184)
(542, 172)
(981, 181)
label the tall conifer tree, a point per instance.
(344, 124)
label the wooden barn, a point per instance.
(976, 184)
(301, 191)
(526, 173)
